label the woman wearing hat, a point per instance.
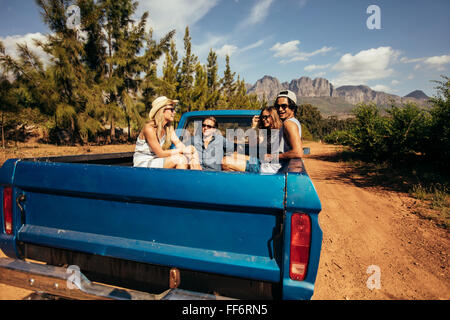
(156, 138)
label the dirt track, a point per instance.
(364, 226)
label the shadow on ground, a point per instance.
(398, 176)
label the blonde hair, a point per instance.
(157, 123)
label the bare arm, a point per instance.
(176, 141)
(152, 140)
(293, 137)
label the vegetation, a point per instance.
(405, 134)
(103, 74)
(414, 142)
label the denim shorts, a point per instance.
(253, 165)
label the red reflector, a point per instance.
(300, 243)
(7, 209)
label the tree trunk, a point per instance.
(112, 134)
(72, 130)
(129, 128)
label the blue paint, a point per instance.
(217, 222)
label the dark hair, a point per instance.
(291, 104)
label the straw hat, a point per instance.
(159, 103)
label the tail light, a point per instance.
(7, 209)
(300, 243)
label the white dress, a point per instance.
(274, 166)
(144, 157)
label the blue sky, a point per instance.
(288, 39)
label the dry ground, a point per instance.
(363, 225)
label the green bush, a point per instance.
(405, 134)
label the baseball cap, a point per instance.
(159, 103)
(287, 94)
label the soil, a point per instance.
(366, 227)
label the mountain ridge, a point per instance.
(324, 94)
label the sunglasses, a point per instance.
(264, 117)
(207, 126)
(282, 106)
(170, 109)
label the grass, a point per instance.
(434, 203)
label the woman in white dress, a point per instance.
(156, 138)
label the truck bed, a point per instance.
(131, 226)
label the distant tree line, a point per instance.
(104, 74)
(316, 126)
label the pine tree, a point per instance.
(186, 74)
(7, 102)
(72, 81)
(228, 84)
(213, 80)
(152, 85)
(200, 89)
(94, 48)
(125, 41)
(170, 71)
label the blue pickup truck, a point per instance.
(95, 227)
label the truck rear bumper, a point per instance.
(72, 284)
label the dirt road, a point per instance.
(365, 226)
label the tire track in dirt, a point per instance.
(366, 226)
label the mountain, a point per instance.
(418, 94)
(330, 101)
(357, 94)
(267, 87)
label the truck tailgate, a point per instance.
(215, 222)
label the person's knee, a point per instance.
(180, 160)
(225, 163)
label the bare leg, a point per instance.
(236, 162)
(177, 161)
(194, 161)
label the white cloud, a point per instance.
(221, 46)
(211, 42)
(167, 15)
(382, 87)
(259, 12)
(395, 82)
(319, 74)
(226, 50)
(292, 53)
(406, 60)
(313, 67)
(364, 66)
(252, 46)
(286, 49)
(10, 43)
(438, 62)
